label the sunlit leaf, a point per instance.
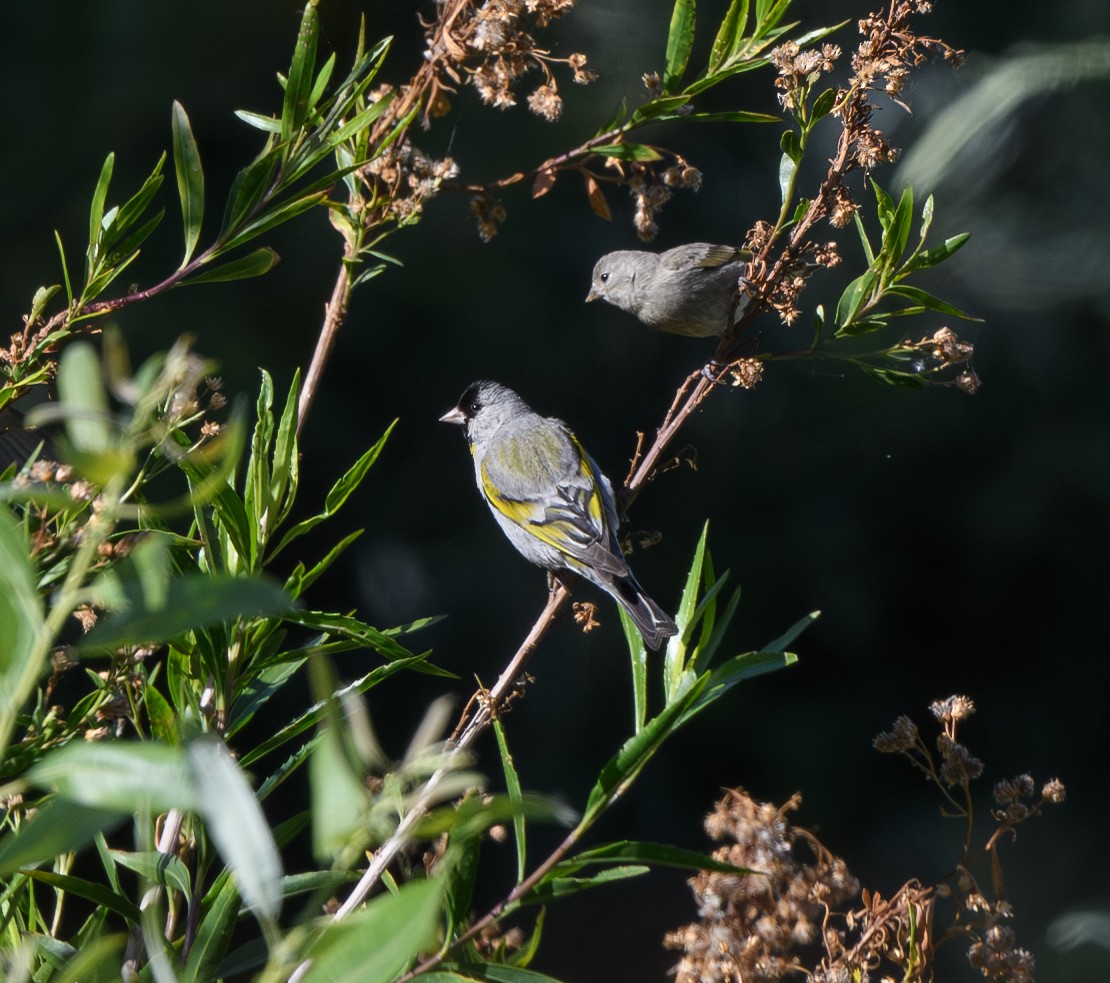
(680, 40)
(257, 263)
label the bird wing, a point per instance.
(699, 254)
(546, 484)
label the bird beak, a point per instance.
(592, 295)
(453, 416)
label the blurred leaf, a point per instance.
(82, 398)
(339, 798)
(731, 116)
(516, 797)
(892, 377)
(301, 71)
(680, 40)
(22, 628)
(485, 973)
(96, 893)
(377, 943)
(60, 826)
(667, 106)
(628, 151)
(160, 715)
(124, 776)
(235, 823)
(257, 263)
(96, 961)
(193, 601)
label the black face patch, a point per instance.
(469, 401)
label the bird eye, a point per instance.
(604, 278)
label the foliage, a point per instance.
(154, 601)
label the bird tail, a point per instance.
(653, 623)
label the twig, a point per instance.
(335, 313)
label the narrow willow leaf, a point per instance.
(274, 217)
(628, 151)
(928, 301)
(642, 852)
(938, 254)
(90, 891)
(667, 106)
(265, 123)
(516, 797)
(248, 189)
(301, 71)
(96, 210)
(306, 578)
(65, 267)
(731, 29)
(257, 263)
(854, 297)
(285, 467)
(638, 655)
(564, 887)
(220, 912)
(680, 40)
(42, 297)
(320, 86)
(190, 179)
(674, 663)
(487, 972)
(897, 234)
(339, 492)
(722, 679)
(118, 221)
(236, 824)
(892, 377)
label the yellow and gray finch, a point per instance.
(550, 498)
(689, 290)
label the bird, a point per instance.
(690, 290)
(550, 498)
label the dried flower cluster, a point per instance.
(756, 927)
(399, 181)
(944, 358)
(490, 46)
(752, 925)
(798, 70)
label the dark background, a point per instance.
(953, 544)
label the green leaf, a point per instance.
(791, 146)
(892, 377)
(728, 674)
(60, 826)
(96, 209)
(96, 893)
(516, 797)
(339, 798)
(731, 116)
(787, 169)
(300, 580)
(257, 263)
(674, 663)
(822, 105)
(855, 295)
(339, 492)
(376, 944)
(122, 776)
(193, 601)
(214, 935)
(83, 400)
(680, 40)
(665, 106)
(928, 301)
(235, 823)
(563, 887)
(628, 151)
(265, 123)
(641, 852)
(248, 190)
(22, 630)
(638, 655)
(731, 29)
(313, 714)
(274, 217)
(897, 233)
(285, 468)
(160, 868)
(301, 71)
(938, 254)
(486, 973)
